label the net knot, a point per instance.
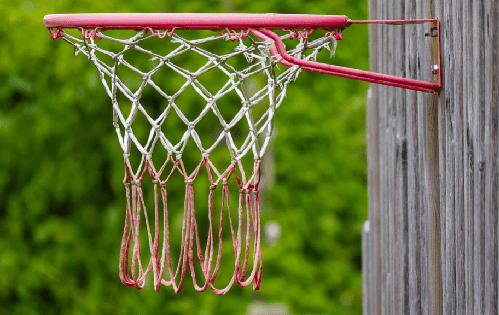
(248, 189)
(119, 58)
(131, 182)
(189, 181)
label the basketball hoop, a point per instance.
(255, 40)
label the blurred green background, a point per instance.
(62, 200)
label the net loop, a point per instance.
(336, 34)
(91, 34)
(299, 33)
(157, 33)
(190, 236)
(232, 35)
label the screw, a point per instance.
(432, 33)
(435, 69)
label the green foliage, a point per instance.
(62, 198)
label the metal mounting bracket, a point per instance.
(436, 69)
(279, 51)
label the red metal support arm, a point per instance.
(373, 77)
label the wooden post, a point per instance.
(431, 243)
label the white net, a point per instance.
(145, 129)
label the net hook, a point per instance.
(157, 33)
(299, 33)
(57, 33)
(91, 34)
(232, 34)
(337, 35)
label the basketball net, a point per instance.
(261, 57)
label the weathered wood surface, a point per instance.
(430, 246)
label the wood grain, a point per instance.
(491, 161)
(433, 162)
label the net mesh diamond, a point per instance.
(253, 106)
